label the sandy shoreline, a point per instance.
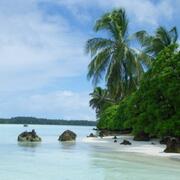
(155, 149)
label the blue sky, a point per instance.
(42, 58)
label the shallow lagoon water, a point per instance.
(51, 160)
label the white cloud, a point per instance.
(36, 48)
(39, 47)
(141, 11)
(46, 47)
(146, 11)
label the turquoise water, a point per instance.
(51, 160)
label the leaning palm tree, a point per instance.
(112, 57)
(100, 99)
(152, 45)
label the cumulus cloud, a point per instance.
(35, 49)
(37, 45)
(42, 42)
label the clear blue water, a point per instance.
(51, 160)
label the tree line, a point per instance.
(42, 121)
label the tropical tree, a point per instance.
(153, 44)
(100, 99)
(112, 57)
(155, 107)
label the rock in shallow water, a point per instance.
(67, 136)
(29, 137)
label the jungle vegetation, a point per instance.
(142, 87)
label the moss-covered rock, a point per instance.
(29, 137)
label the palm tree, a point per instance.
(100, 99)
(152, 45)
(112, 57)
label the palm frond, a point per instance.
(96, 44)
(112, 58)
(174, 34)
(163, 35)
(142, 37)
(116, 23)
(98, 65)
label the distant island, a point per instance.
(43, 121)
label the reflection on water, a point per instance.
(29, 146)
(67, 145)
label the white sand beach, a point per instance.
(152, 147)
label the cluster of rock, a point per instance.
(29, 137)
(172, 144)
(33, 137)
(125, 142)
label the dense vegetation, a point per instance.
(32, 120)
(153, 105)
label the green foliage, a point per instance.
(114, 117)
(154, 107)
(153, 45)
(100, 100)
(149, 102)
(109, 119)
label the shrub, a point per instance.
(154, 107)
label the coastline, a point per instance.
(152, 147)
